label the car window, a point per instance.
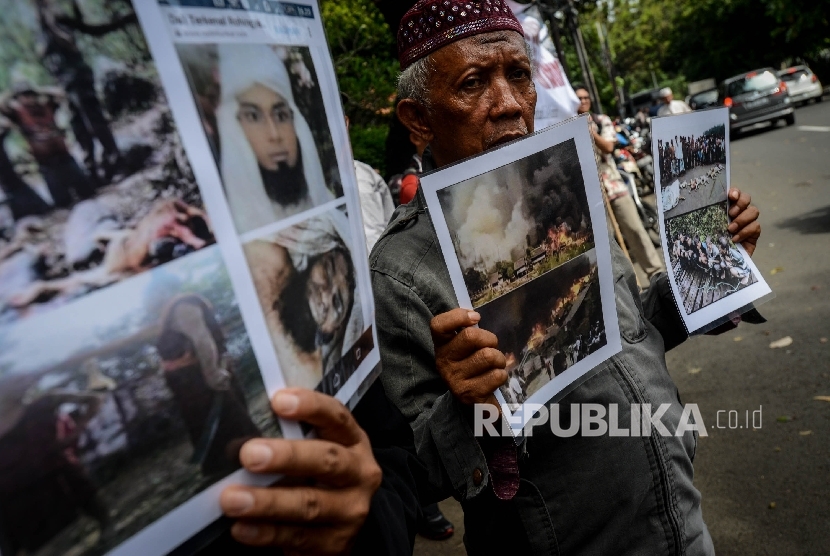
(794, 76)
(757, 82)
(706, 97)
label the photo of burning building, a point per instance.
(547, 325)
(519, 222)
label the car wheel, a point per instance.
(819, 98)
(790, 119)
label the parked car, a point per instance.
(802, 84)
(705, 99)
(754, 97)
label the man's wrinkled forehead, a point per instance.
(481, 49)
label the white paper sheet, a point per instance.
(216, 108)
(525, 224)
(710, 276)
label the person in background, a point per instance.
(410, 180)
(377, 207)
(376, 204)
(625, 211)
(671, 106)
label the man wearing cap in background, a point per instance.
(671, 106)
(466, 87)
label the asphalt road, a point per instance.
(765, 491)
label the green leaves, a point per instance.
(363, 50)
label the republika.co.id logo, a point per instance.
(598, 420)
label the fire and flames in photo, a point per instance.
(518, 222)
(547, 325)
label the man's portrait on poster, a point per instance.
(264, 118)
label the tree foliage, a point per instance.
(688, 40)
(708, 222)
(363, 49)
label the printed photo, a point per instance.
(110, 421)
(94, 184)
(547, 325)
(263, 114)
(710, 276)
(518, 222)
(707, 266)
(516, 227)
(692, 164)
(306, 281)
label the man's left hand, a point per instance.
(744, 227)
(340, 472)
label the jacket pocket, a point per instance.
(632, 325)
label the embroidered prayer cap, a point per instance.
(432, 24)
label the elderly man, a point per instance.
(467, 87)
(671, 106)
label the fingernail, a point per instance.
(256, 455)
(237, 502)
(285, 403)
(733, 194)
(732, 228)
(245, 531)
(475, 317)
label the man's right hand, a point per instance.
(467, 357)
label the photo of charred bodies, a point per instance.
(707, 265)
(95, 184)
(131, 411)
(263, 113)
(547, 325)
(518, 222)
(306, 282)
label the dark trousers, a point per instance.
(89, 123)
(22, 200)
(62, 175)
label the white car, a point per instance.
(802, 84)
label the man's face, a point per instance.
(329, 291)
(481, 95)
(584, 101)
(668, 98)
(268, 124)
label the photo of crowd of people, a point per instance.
(262, 111)
(109, 422)
(94, 183)
(547, 326)
(306, 281)
(707, 265)
(693, 171)
(518, 222)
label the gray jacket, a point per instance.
(578, 495)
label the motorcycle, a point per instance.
(637, 144)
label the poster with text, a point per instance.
(180, 237)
